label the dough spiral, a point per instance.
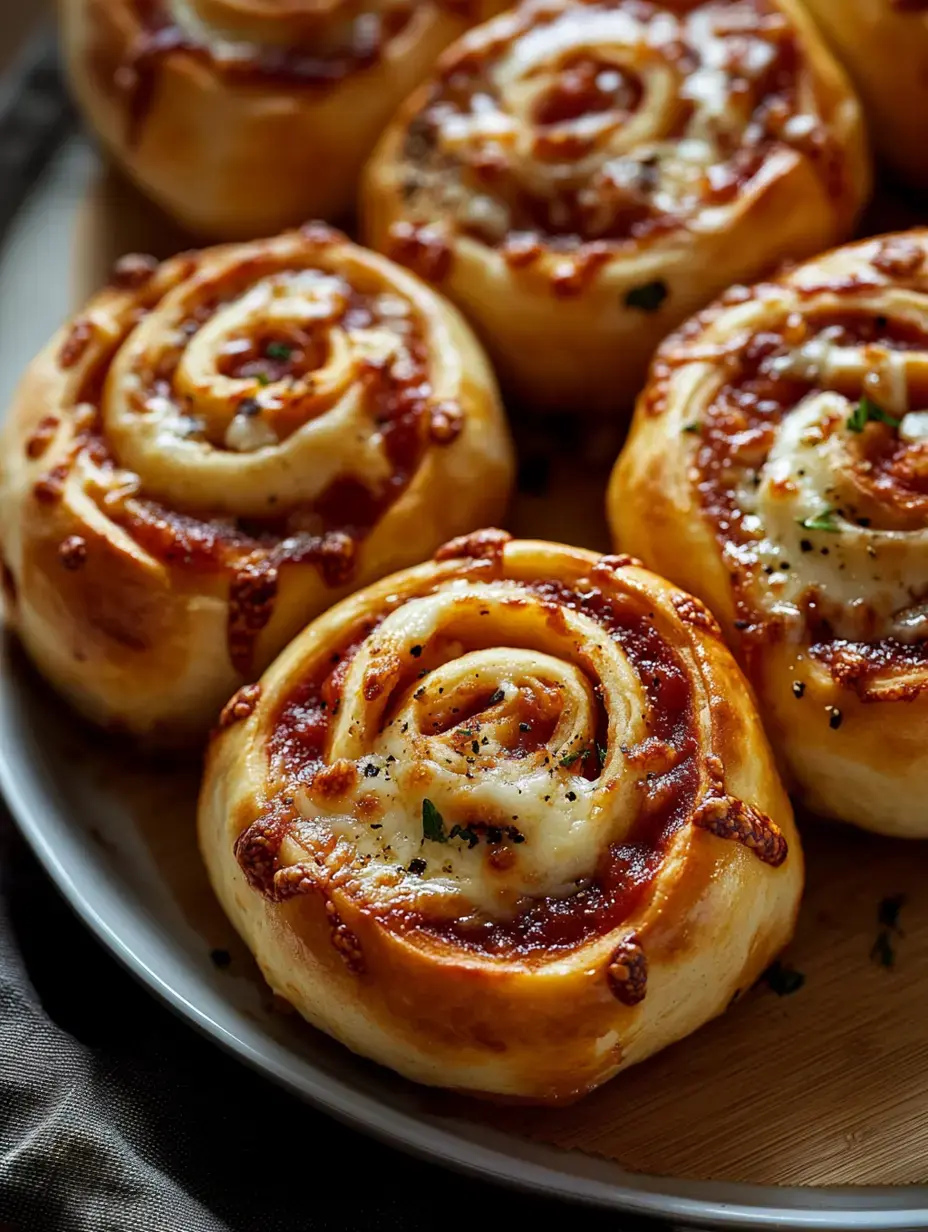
(240, 117)
(219, 447)
(505, 822)
(580, 175)
(778, 467)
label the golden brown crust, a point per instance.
(883, 44)
(218, 448)
(547, 843)
(579, 177)
(777, 468)
(240, 117)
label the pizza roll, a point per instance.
(240, 117)
(506, 822)
(581, 175)
(778, 468)
(216, 449)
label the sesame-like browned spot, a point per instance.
(240, 705)
(335, 780)
(72, 552)
(899, 257)
(258, 846)
(48, 489)
(337, 555)
(133, 271)
(251, 604)
(419, 249)
(693, 612)
(42, 437)
(730, 818)
(76, 343)
(446, 423)
(294, 880)
(344, 940)
(618, 560)
(485, 544)
(627, 973)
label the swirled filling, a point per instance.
(810, 441)
(573, 124)
(494, 762)
(265, 414)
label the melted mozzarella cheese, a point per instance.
(555, 822)
(811, 540)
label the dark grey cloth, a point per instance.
(117, 1117)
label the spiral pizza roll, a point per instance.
(778, 468)
(582, 174)
(218, 448)
(240, 117)
(884, 46)
(506, 822)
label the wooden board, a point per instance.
(825, 1085)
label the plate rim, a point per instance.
(747, 1205)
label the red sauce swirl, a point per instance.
(298, 749)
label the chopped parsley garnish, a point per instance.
(278, 350)
(782, 980)
(262, 378)
(821, 521)
(601, 753)
(569, 759)
(433, 824)
(867, 411)
(694, 429)
(648, 297)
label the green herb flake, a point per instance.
(821, 521)
(867, 411)
(648, 297)
(263, 379)
(601, 753)
(433, 824)
(693, 429)
(278, 350)
(569, 759)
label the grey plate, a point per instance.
(117, 840)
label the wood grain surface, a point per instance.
(820, 1079)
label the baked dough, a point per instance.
(581, 176)
(218, 448)
(883, 44)
(240, 117)
(778, 468)
(506, 822)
